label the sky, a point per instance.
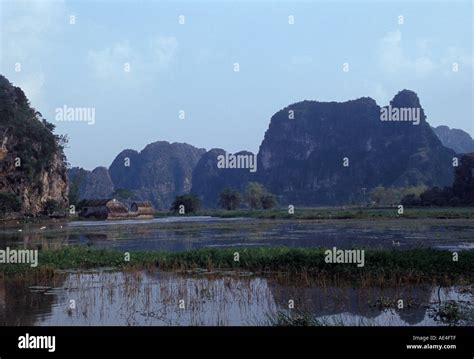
(150, 76)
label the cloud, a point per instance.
(393, 58)
(27, 24)
(457, 55)
(163, 50)
(110, 62)
(28, 32)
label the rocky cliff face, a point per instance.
(209, 180)
(158, 173)
(458, 140)
(331, 153)
(89, 184)
(313, 153)
(32, 162)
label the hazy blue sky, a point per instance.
(190, 67)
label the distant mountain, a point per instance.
(85, 184)
(158, 173)
(302, 159)
(313, 153)
(209, 180)
(32, 162)
(458, 140)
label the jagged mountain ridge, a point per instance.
(158, 173)
(301, 159)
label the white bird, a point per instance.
(397, 243)
(44, 227)
(20, 230)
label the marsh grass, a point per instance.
(381, 266)
(340, 213)
(293, 319)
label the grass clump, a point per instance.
(413, 265)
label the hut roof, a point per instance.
(115, 206)
(143, 204)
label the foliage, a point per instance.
(268, 201)
(460, 194)
(253, 193)
(257, 196)
(51, 206)
(190, 201)
(449, 313)
(9, 203)
(35, 143)
(412, 265)
(294, 318)
(230, 199)
(393, 195)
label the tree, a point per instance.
(191, 203)
(230, 199)
(395, 195)
(253, 194)
(51, 206)
(9, 203)
(257, 196)
(376, 195)
(268, 200)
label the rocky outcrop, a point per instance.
(32, 162)
(89, 184)
(333, 153)
(458, 140)
(209, 180)
(158, 173)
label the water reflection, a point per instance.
(153, 298)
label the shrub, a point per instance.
(191, 203)
(257, 196)
(268, 201)
(9, 203)
(51, 206)
(230, 199)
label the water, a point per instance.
(186, 233)
(153, 298)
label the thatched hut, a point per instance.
(142, 209)
(104, 209)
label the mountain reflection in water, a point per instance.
(152, 298)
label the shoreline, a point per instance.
(303, 213)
